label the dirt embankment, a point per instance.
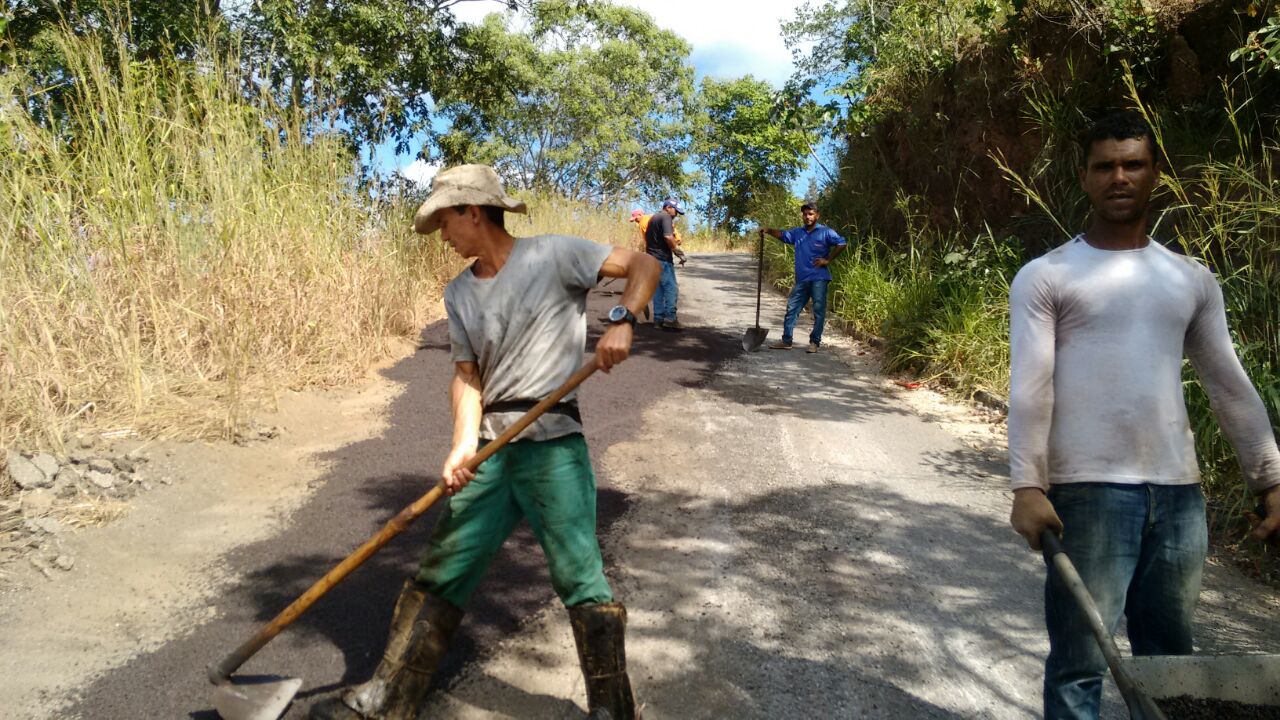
(1021, 95)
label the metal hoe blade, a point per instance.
(255, 697)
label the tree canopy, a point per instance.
(585, 99)
(744, 148)
(373, 63)
(368, 66)
(592, 101)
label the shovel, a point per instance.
(1141, 706)
(754, 337)
(265, 697)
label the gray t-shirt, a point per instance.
(1097, 339)
(526, 327)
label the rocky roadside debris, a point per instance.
(57, 493)
(255, 432)
(45, 495)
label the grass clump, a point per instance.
(556, 215)
(940, 305)
(172, 252)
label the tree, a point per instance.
(368, 66)
(151, 29)
(872, 53)
(373, 64)
(591, 101)
(29, 31)
(743, 149)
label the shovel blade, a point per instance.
(255, 697)
(753, 338)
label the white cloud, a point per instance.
(729, 37)
(420, 172)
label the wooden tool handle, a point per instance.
(759, 278)
(218, 674)
(534, 413)
(221, 672)
(1140, 705)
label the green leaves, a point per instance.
(1262, 48)
(747, 141)
(371, 65)
(591, 101)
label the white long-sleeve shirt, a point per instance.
(1097, 339)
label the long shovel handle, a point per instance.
(759, 278)
(220, 673)
(1141, 706)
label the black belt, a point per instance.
(568, 409)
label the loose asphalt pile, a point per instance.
(1185, 707)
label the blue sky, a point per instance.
(729, 38)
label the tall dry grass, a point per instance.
(553, 215)
(172, 253)
(558, 215)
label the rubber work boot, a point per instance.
(598, 631)
(421, 628)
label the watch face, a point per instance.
(617, 314)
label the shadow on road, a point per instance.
(340, 638)
(809, 604)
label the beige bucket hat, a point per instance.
(463, 185)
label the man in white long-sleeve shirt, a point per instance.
(1100, 448)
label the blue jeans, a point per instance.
(664, 298)
(800, 294)
(1140, 550)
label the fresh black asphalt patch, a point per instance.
(339, 640)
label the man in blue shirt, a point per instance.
(816, 246)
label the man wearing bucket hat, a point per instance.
(517, 329)
(660, 242)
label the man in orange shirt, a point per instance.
(640, 218)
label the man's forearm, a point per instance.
(1244, 421)
(642, 276)
(835, 253)
(465, 399)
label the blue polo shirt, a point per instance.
(811, 245)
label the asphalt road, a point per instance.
(793, 535)
(339, 640)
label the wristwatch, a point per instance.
(620, 314)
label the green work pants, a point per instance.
(550, 482)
